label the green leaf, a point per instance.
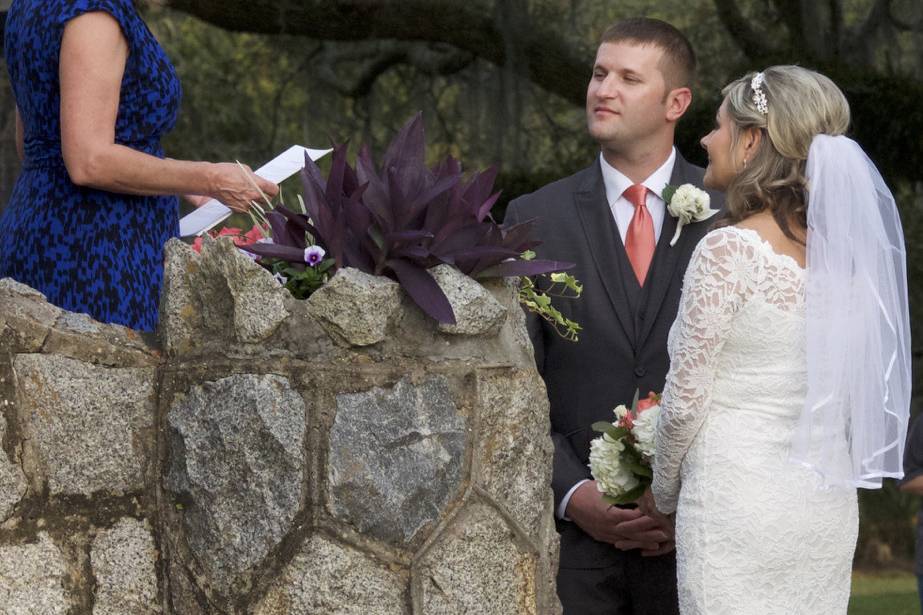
(668, 192)
(639, 469)
(528, 255)
(601, 426)
(627, 497)
(325, 265)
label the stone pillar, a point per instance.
(344, 454)
(77, 464)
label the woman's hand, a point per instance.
(666, 523)
(236, 185)
(196, 200)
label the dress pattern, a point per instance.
(87, 250)
(756, 533)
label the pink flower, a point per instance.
(652, 399)
(239, 237)
(627, 421)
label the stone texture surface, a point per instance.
(80, 337)
(514, 451)
(476, 310)
(236, 451)
(476, 566)
(395, 444)
(181, 326)
(396, 457)
(124, 565)
(32, 579)
(327, 577)
(12, 481)
(87, 426)
(219, 296)
(258, 299)
(356, 306)
(25, 316)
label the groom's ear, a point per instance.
(677, 101)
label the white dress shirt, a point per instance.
(622, 210)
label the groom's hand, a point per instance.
(625, 528)
(647, 505)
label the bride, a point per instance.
(789, 383)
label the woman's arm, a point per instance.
(93, 56)
(713, 291)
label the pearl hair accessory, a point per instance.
(759, 97)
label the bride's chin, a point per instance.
(709, 181)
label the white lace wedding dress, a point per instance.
(755, 533)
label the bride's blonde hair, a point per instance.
(800, 104)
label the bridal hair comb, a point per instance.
(759, 96)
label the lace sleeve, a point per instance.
(715, 286)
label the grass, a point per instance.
(884, 593)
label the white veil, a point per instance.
(854, 421)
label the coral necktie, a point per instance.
(639, 240)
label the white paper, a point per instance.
(276, 170)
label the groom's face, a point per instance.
(625, 101)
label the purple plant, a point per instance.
(403, 218)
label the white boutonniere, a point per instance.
(687, 204)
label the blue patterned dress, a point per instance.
(87, 250)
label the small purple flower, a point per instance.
(313, 255)
(281, 279)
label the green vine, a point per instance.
(536, 295)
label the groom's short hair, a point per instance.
(678, 62)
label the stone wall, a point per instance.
(264, 455)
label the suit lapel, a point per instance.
(604, 242)
(666, 257)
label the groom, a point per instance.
(611, 221)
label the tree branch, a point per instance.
(555, 63)
(878, 15)
(900, 24)
(751, 42)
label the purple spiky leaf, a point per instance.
(335, 189)
(376, 198)
(409, 235)
(423, 290)
(519, 267)
(417, 254)
(429, 194)
(272, 250)
(407, 149)
(283, 232)
(486, 206)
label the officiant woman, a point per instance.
(95, 201)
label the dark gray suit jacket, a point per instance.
(623, 344)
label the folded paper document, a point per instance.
(276, 170)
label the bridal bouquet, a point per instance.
(620, 459)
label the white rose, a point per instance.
(612, 477)
(645, 431)
(689, 204)
(620, 413)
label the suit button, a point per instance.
(640, 371)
